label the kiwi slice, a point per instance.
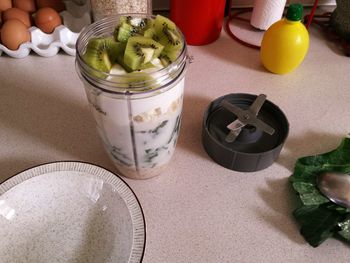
(120, 57)
(123, 32)
(155, 64)
(141, 50)
(139, 81)
(117, 69)
(164, 59)
(101, 53)
(151, 33)
(160, 22)
(136, 81)
(120, 61)
(129, 26)
(168, 35)
(170, 53)
(141, 24)
(146, 66)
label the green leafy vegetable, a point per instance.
(345, 228)
(318, 216)
(318, 223)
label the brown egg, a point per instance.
(5, 4)
(14, 33)
(25, 5)
(47, 19)
(58, 5)
(16, 13)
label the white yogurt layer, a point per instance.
(139, 131)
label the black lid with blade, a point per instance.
(244, 132)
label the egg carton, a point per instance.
(74, 18)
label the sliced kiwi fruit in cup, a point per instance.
(129, 26)
(101, 53)
(134, 49)
(141, 50)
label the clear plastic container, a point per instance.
(139, 125)
(104, 8)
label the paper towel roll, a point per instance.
(266, 12)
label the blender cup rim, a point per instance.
(112, 89)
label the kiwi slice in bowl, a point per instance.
(140, 51)
(101, 53)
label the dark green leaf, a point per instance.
(313, 198)
(307, 168)
(301, 214)
(318, 223)
(319, 217)
(309, 194)
(339, 209)
(303, 188)
(345, 228)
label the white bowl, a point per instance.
(70, 212)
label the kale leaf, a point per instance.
(318, 216)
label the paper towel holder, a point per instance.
(251, 36)
(267, 12)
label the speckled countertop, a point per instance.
(197, 211)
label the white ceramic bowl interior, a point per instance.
(70, 212)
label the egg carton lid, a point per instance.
(74, 18)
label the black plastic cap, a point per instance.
(253, 149)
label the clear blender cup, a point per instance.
(138, 121)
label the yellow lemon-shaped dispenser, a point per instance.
(285, 43)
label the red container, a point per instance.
(200, 21)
